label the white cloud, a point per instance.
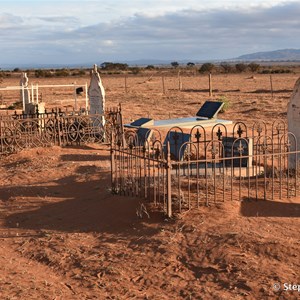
(64, 30)
(10, 21)
(108, 43)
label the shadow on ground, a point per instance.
(264, 91)
(71, 205)
(267, 208)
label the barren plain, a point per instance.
(65, 236)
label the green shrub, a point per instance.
(226, 67)
(241, 67)
(78, 73)
(150, 67)
(265, 72)
(190, 64)
(254, 67)
(62, 73)
(16, 105)
(175, 64)
(109, 66)
(277, 71)
(226, 102)
(135, 70)
(42, 73)
(207, 67)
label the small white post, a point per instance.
(210, 85)
(75, 96)
(86, 98)
(163, 84)
(271, 82)
(37, 93)
(23, 97)
(32, 94)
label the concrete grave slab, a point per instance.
(206, 117)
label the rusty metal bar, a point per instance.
(169, 183)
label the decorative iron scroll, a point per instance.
(20, 131)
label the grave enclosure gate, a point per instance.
(210, 167)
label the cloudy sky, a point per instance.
(72, 31)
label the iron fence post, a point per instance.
(168, 171)
(112, 163)
(1, 139)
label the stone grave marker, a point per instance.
(96, 94)
(25, 94)
(293, 116)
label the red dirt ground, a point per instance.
(65, 236)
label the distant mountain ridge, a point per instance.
(284, 54)
(271, 56)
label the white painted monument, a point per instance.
(293, 115)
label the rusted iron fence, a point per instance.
(186, 169)
(21, 131)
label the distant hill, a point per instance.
(285, 55)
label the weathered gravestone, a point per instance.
(29, 105)
(293, 116)
(96, 94)
(35, 108)
(25, 94)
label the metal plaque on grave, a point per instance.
(141, 122)
(178, 144)
(237, 148)
(210, 109)
(143, 135)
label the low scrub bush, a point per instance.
(226, 102)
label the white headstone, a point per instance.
(96, 93)
(25, 94)
(293, 116)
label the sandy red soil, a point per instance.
(65, 236)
